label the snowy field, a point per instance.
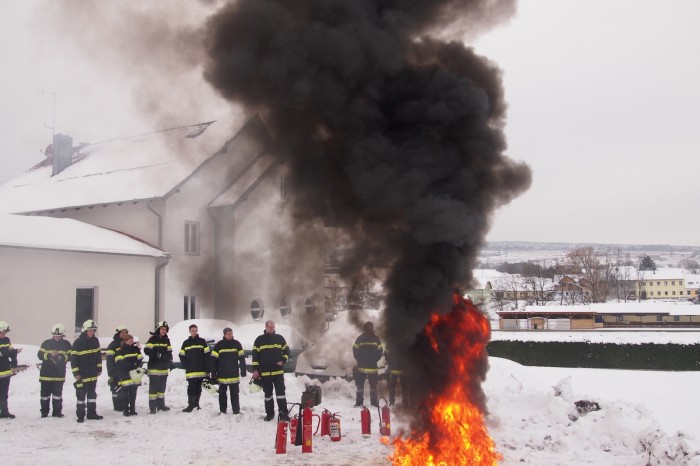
(644, 418)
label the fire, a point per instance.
(457, 434)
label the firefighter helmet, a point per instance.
(4, 326)
(211, 387)
(162, 323)
(89, 325)
(58, 329)
(121, 327)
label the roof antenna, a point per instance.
(53, 117)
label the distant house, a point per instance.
(208, 199)
(664, 283)
(646, 314)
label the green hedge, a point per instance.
(651, 356)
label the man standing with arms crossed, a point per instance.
(270, 352)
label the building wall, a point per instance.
(39, 290)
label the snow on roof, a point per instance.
(483, 276)
(636, 337)
(692, 281)
(634, 307)
(135, 168)
(664, 273)
(68, 235)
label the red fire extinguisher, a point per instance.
(306, 430)
(334, 427)
(293, 422)
(384, 419)
(325, 427)
(281, 437)
(365, 421)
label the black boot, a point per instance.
(152, 405)
(44, 407)
(5, 412)
(132, 403)
(160, 405)
(57, 407)
(190, 404)
(80, 411)
(92, 411)
(222, 401)
(196, 400)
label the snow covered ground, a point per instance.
(644, 418)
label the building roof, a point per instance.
(64, 234)
(634, 307)
(136, 168)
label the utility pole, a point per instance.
(52, 94)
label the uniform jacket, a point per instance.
(127, 359)
(194, 356)
(160, 355)
(86, 359)
(394, 363)
(367, 350)
(53, 368)
(268, 350)
(8, 357)
(228, 361)
(110, 354)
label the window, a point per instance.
(256, 309)
(665, 283)
(309, 306)
(673, 282)
(285, 308)
(658, 283)
(651, 293)
(283, 187)
(619, 318)
(84, 306)
(680, 282)
(666, 293)
(676, 318)
(659, 318)
(191, 237)
(673, 293)
(189, 307)
(688, 292)
(651, 283)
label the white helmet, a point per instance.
(121, 327)
(58, 329)
(4, 326)
(89, 325)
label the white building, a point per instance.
(207, 198)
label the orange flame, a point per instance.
(457, 434)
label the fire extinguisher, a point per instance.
(384, 418)
(281, 437)
(306, 430)
(293, 422)
(334, 427)
(325, 427)
(365, 421)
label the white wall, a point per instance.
(38, 290)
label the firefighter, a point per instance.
(54, 354)
(395, 368)
(193, 356)
(128, 358)
(160, 360)
(86, 363)
(270, 352)
(8, 360)
(112, 380)
(228, 366)
(367, 351)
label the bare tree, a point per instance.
(593, 274)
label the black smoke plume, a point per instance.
(391, 131)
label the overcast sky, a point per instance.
(604, 104)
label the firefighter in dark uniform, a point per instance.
(367, 351)
(8, 360)
(395, 368)
(228, 366)
(127, 359)
(110, 354)
(160, 360)
(270, 352)
(54, 354)
(194, 356)
(86, 363)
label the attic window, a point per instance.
(309, 306)
(285, 308)
(192, 238)
(256, 309)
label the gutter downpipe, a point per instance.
(156, 310)
(216, 260)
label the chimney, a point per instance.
(62, 152)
